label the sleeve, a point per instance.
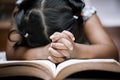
(87, 12)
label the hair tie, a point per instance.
(26, 35)
(18, 2)
(75, 17)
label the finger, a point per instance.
(54, 52)
(58, 46)
(52, 59)
(67, 43)
(59, 53)
(55, 59)
(69, 34)
(65, 53)
(58, 60)
(56, 36)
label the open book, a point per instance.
(47, 70)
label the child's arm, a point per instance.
(23, 53)
(101, 45)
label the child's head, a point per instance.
(36, 20)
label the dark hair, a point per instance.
(36, 20)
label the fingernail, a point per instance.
(49, 57)
(73, 39)
(49, 48)
(51, 37)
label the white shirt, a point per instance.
(87, 12)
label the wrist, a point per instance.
(76, 52)
(37, 53)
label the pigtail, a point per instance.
(76, 5)
(29, 24)
(25, 4)
(21, 18)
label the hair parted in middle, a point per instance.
(37, 20)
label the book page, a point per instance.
(75, 61)
(63, 69)
(46, 63)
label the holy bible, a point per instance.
(46, 70)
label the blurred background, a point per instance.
(107, 10)
(6, 8)
(109, 14)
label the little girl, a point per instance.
(58, 30)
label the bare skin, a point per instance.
(101, 46)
